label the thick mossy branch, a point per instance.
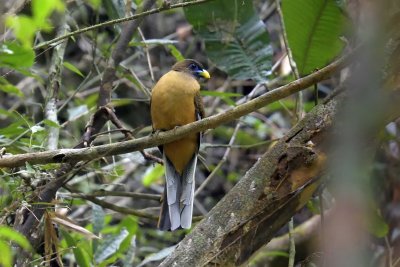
(278, 185)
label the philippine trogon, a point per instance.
(176, 101)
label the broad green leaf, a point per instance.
(130, 254)
(313, 29)
(15, 56)
(157, 256)
(81, 257)
(153, 174)
(24, 29)
(236, 39)
(109, 246)
(13, 129)
(6, 254)
(72, 68)
(14, 236)
(42, 9)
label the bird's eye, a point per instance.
(192, 66)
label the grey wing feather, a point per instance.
(187, 197)
(173, 186)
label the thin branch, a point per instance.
(123, 210)
(299, 102)
(221, 162)
(117, 194)
(116, 21)
(75, 155)
(292, 245)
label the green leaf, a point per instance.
(14, 236)
(51, 123)
(97, 218)
(377, 225)
(313, 29)
(175, 52)
(24, 29)
(6, 254)
(110, 246)
(15, 56)
(73, 68)
(6, 87)
(153, 174)
(81, 256)
(42, 9)
(157, 256)
(13, 129)
(236, 39)
(130, 254)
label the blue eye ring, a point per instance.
(192, 66)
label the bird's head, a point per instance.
(191, 67)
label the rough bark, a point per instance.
(274, 189)
(270, 193)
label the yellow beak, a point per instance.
(205, 74)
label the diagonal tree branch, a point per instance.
(271, 192)
(75, 155)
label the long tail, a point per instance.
(177, 207)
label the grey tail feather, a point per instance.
(177, 206)
(173, 189)
(187, 196)
(164, 222)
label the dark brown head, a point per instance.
(191, 67)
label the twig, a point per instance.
(292, 247)
(299, 102)
(146, 49)
(221, 162)
(116, 21)
(263, 143)
(74, 155)
(117, 194)
(119, 209)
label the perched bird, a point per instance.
(176, 101)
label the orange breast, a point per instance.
(172, 104)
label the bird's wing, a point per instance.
(200, 112)
(198, 103)
(174, 187)
(187, 195)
